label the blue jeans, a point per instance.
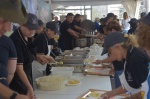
(117, 79)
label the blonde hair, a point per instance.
(131, 41)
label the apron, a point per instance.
(125, 83)
(38, 70)
(146, 86)
(16, 84)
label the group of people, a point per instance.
(69, 29)
(28, 43)
(128, 50)
(128, 26)
(130, 55)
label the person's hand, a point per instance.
(19, 96)
(50, 59)
(82, 35)
(30, 93)
(41, 59)
(98, 62)
(106, 95)
(83, 30)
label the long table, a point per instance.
(73, 92)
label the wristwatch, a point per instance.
(13, 96)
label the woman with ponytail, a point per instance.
(124, 47)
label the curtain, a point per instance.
(132, 8)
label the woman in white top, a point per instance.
(125, 24)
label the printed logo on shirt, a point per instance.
(129, 77)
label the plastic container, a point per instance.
(64, 71)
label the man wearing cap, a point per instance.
(42, 47)
(67, 34)
(120, 46)
(133, 26)
(25, 54)
(76, 23)
(110, 16)
(40, 29)
(7, 48)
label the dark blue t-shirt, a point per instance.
(41, 43)
(65, 36)
(7, 52)
(136, 68)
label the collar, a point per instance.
(46, 36)
(129, 52)
(22, 37)
(68, 22)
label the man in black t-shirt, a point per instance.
(67, 34)
(42, 48)
(40, 29)
(76, 24)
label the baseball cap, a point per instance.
(40, 22)
(112, 39)
(146, 19)
(70, 14)
(110, 15)
(105, 20)
(52, 26)
(32, 22)
(13, 10)
(133, 20)
(77, 15)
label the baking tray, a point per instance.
(74, 54)
(99, 70)
(87, 94)
(72, 61)
(58, 58)
(84, 51)
(78, 68)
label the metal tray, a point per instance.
(72, 61)
(87, 94)
(78, 68)
(58, 58)
(101, 71)
(74, 54)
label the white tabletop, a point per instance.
(73, 92)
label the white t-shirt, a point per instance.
(126, 25)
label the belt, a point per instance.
(3, 78)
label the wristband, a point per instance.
(13, 96)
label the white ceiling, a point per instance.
(85, 2)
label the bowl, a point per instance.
(51, 83)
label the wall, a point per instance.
(43, 11)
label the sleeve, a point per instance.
(20, 56)
(68, 26)
(40, 44)
(12, 50)
(51, 42)
(139, 70)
